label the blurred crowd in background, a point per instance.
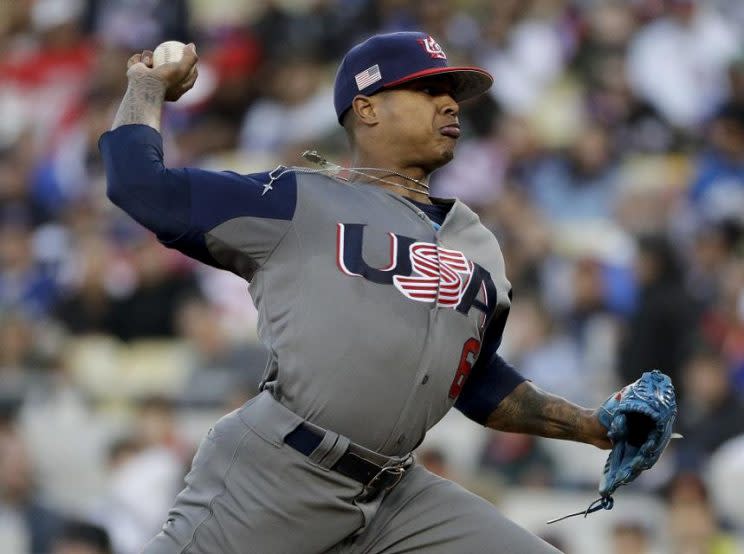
(608, 159)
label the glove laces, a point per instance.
(602, 503)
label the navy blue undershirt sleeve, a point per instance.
(181, 205)
(140, 184)
(488, 384)
(491, 380)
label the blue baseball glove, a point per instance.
(639, 420)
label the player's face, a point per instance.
(418, 122)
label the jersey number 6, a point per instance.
(469, 352)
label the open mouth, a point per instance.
(452, 131)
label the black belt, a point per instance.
(374, 477)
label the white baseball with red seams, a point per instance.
(167, 52)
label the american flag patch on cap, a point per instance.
(368, 77)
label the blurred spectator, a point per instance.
(218, 363)
(662, 326)
(156, 427)
(16, 160)
(324, 29)
(236, 57)
(18, 498)
(25, 285)
(713, 249)
(86, 307)
(65, 435)
(518, 459)
(45, 77)
(16, 345)
(545, 353)
(198, 322)
(457, 29)
(692, 524)
(634, 124)
(22, 359)
(587, 295)
(678, 61)
(522, 50)
(72, 168)
(736, 79)
(147, 464)
(524, 236)
(631, 537)
(610, 26)
(435, 461)
(138, 24)
(298, 108)
(726, 471)
(723, 322)
(717, 192)
(733, 10)
(522, 146)
(148, 308)
(78, 537)
(580, 185)
(711, 412)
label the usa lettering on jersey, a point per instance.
(440, 275)
(420, 271)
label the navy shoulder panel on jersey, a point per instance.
(181, 205)
(217, 197)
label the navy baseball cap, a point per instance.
(385, 61)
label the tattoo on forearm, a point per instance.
(529, 410)
(142, 103)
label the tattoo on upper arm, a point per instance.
(142, 103)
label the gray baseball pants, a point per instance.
(249, 492)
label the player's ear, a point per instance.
(364, 109)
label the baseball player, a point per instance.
(382, 308)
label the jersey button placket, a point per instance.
(422, 376)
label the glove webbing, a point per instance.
(603, 503)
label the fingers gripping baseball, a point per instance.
(186, 85)
(177, 77)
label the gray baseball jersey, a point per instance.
(373, 316)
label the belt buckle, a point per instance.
(397, 470)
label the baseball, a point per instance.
(166, 52)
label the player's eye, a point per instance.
(434, 90)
